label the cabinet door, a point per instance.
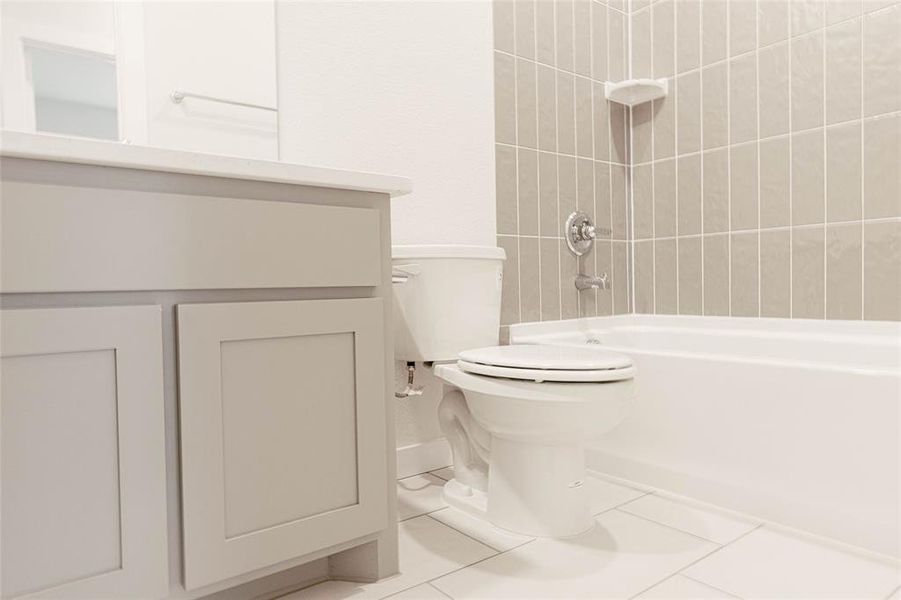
(83, 508)
(282, 431)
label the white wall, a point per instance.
(402, 87)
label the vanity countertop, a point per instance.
(82, 151)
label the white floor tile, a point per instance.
(896, 595)
(605, 495)
(620, 557)
(428, 549)
(683, 588)
(708, 524)
(485, 532)
(419, 495)
(420, 592)
(447, 473)
(772, 564)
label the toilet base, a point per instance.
(533, 490)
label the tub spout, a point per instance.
(589, 282)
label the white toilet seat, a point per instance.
(541, 363)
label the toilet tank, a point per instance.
(446, 299)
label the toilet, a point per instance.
(517, 417)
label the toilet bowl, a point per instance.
(527, 414)
(517, 418)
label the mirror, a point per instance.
(185, 75)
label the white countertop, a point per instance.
(92, 152)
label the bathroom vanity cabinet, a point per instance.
(196, 373)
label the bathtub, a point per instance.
(794, 421)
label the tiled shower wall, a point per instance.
(559, 147)
(767, 182)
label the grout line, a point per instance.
(729, 6)
(825, 89)
(487, 558)
(667, 525)
(429, 583)
(893, 592)
(497, 551)
(681, 574)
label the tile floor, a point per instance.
(645, 545)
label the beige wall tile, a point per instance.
(689, 194)
(636, 5)
(598, 41)
(550, 279)
(585, 186)
(688, 35)
(881, 57)
(665, 224)
(774, 90)
(843, 169)
(582, 37)
(503, 13)
(744, 275)
(569, 295)
(504, 98)
(743, 99)
(603, 252)
(716, 113)
(566, 187)
(549, 220)
(510, 290)
(807, 81)
(525, 28)
(642, 133)
(547, 108)
(713, 30)
(530, 280)
(526, 109)
(807, 15)
(603, 208)
(716, 190)
(808, 273)
(665, 125)
(619, 141)
(545, 39)
(843, 271)
(616, 45)
(882, 157)
(619, 201)
(564, 41)
(772, 21)
(688, 112)
(584, 125)
(641, 44)
(716, 275)
(601, 122)
(689, 276)
(663, 17)
(743, 192)
(527, 184)
(644, 277)
(566, 113)
(843, 74)
(621, 281)
(742, 26)
(842, 10)
(505, 189)
(882, 271)
(775, 273)
(775, 181)
(665, 258)
(808, 178)
(643, 201)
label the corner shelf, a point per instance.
(635, 91)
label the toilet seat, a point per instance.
(541, 363)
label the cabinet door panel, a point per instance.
(283, 441)
(83, 464)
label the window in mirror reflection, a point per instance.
(74, 91)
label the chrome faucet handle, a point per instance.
(580, 233)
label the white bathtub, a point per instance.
(797, 422)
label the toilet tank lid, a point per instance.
(447, 251)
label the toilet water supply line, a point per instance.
(410, 389)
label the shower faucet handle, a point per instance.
(580, 233)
